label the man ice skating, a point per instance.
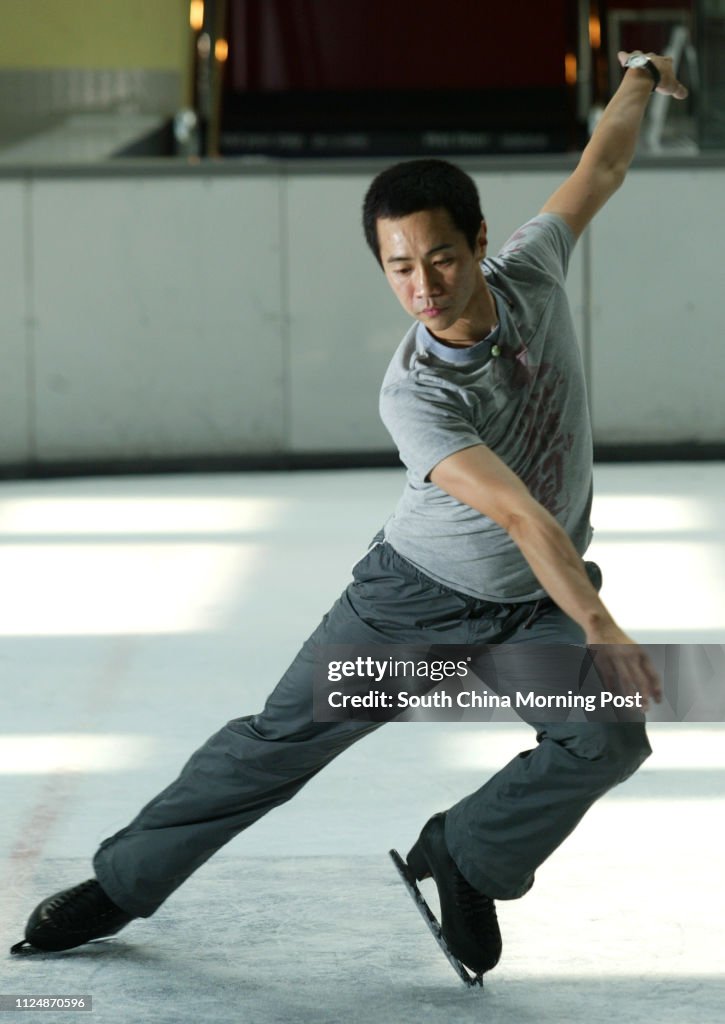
(485, 400)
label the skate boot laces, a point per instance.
(80, 906)
(478, 910)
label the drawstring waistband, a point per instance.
(536, 612)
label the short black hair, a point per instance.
(415, 185)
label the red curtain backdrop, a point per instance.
(281, 45)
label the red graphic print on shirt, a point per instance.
(543, 444)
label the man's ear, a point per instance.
(482, 241)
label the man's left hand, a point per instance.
(669, 85)
(623, 666)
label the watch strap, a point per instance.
(646, 65)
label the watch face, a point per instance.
(640, 61)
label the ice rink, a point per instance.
(139, 614)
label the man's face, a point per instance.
(431, 269)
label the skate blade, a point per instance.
(470, 980)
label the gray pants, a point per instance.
(497, 836)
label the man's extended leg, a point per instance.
(249, 767)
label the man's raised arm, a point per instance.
(608, 154)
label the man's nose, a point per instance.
(425, 281)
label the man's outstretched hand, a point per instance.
(623, 667)
(669, 85)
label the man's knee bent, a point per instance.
(629, 747)
(615, 749)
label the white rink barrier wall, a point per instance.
(233, 311)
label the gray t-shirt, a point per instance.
(527, 404)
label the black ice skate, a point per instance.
(468, 932)
(72, 917)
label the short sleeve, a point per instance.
(427, 425)
(546, 241)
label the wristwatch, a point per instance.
(638, 60)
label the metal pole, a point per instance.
(204, 72)
(583, 63)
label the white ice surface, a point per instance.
(139, 614)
